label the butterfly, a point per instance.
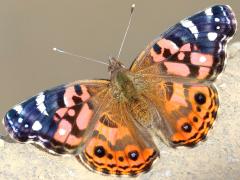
(167, 92)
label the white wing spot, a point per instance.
(36, 126)
(189, 24)
(40, 98)
(202, 59)
(217, 20)
(186, 23)
(40, 103)
(62, 132)
(26, 125)
(18, 108)
(212, 36)
(209, 12)
(218, 27)
(20, 120)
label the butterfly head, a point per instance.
(114, 65)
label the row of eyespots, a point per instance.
(133, 170)
(100, 152)
(200, 99)
(210, 115)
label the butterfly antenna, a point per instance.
(78, 56)
(125, 35)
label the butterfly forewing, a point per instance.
(57, 118)
(193, 48)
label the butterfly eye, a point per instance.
(133, 155)
(200, 98)
(186, 127)
(99, 151)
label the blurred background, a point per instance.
(30, 29)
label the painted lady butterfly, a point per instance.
(168, 91)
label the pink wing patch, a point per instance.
(177, 69)
(64, 129)
(185, 61)
(84, 117)
(162, 49)
(201, 59)
(74, 118)
(71, 92)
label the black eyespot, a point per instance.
(133, 155)
(195, 119)
(157, 48)
(99, 151)
(110, 156)
(121, 158)
(200, 98)
(186, 127)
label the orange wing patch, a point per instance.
(112, 149)
(194, 127)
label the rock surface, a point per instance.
(216, 158)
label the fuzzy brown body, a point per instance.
(128, 89)
(124, 86)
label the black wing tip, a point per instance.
(230, 14)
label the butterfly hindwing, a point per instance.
(194, 112)
(193, 48)
(117, 145)
(187, 111)
(57, 118)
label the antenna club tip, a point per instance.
(58, 50)
(132, 8)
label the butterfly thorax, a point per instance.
(126, 89)
(122, 82)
